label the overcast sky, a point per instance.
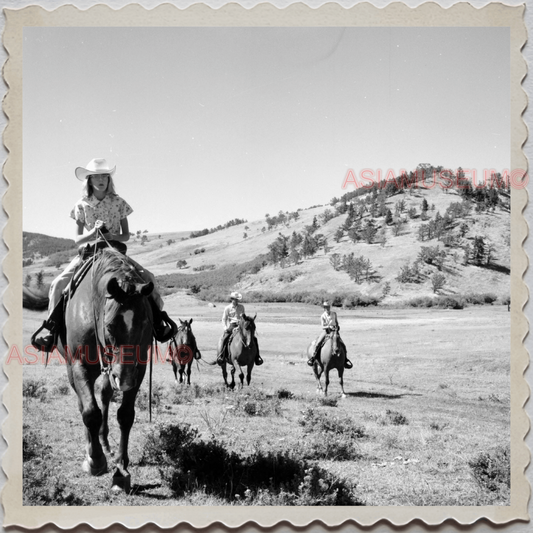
(208, 124)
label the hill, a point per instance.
(36, 245)
(388, 244)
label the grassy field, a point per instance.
(429, 394)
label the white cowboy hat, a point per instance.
(95, 166)
(326, 304)
(235, 296)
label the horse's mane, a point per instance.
(110, 263)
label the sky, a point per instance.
(208, 124)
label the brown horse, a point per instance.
(242, 350)
(332, 355)
(183, 351)
(108, 331)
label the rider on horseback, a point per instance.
(230, 320)
(329, 322)
(103, 214)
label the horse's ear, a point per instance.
(147, 288)
(255, 316)
(115, 290)
(181, 321)
(244, 316)
(190, 321)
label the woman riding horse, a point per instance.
(329, 322)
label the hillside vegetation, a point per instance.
(398, 242)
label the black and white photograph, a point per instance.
(270, 265)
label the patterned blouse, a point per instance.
(111, 210)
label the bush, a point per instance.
(187, 463)
(284, 394)
(493, 470)
(34, 388)
(327, 437)
(395, 418)
(480, 298)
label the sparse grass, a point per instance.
(35, 388)
(422, 463)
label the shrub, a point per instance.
(187, 463)
(284, 394)
(481, 298)
(394, 418)
(34, 388)
(492, 470)
(327, 437)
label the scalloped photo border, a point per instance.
(233, 15)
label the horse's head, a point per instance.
(247, 327)
(184, 335)
(123, 324)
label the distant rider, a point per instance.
(230, 320)
(329, 322)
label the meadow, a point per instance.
(426, 420)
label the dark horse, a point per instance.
(332, 355)
(242, 350)
(108, 332)
(183, 349)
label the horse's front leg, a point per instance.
(341, 380)
(182, 370)
(95, 462)
(241, 376)
(326, 377)
(125, 417)
(317, 371)
(189, 373)
(232, 384)
(175, 370)
(105, 396)
(225, 374)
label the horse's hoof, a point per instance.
(121, 482)
(94, 470)
(343, 395)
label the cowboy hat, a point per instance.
(235, 296)
(326, 304)
(95, 166)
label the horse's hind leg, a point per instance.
(249, 375)
(326, 377)
(105, 395)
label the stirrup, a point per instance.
(45, 342)
(311, 361)
(348, 364)
(258, 360)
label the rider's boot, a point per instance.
(164, 327)
(45, 342)
(311, 360)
